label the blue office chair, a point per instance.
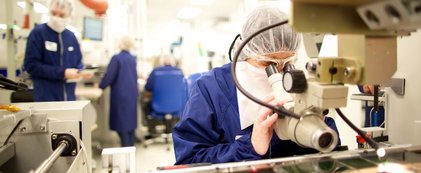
(168, 93)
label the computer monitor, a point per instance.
(92, 28)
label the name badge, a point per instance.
(70, 48)
(51, 46)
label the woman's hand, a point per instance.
(263, 127)
(71, 73)
(368, 89)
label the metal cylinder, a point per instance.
(311, 131)
(308, 131)
(46, 165)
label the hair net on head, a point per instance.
(167, 59)
(126, 43)
(63, 4)
(278, 39)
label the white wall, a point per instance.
(405, 112)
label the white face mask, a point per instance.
(58, 24)
(255, 81)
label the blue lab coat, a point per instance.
(47, 55)
(210, 125)
(121, 75)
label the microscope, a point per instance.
(367, 54)
(367, 43)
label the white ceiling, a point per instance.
(165, 10)
(161, 12)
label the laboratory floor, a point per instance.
(147, 159)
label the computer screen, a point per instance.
(92, 28)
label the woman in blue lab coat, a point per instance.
(121, 76)
(219, 124)
(53, 55)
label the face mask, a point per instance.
(255, 81)
(58, 24)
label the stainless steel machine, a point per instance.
(401, 159)
(47, 137)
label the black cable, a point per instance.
(232, 46)
(13, 131)
(281, 111)
(371, 142)
(11, 85)
(376, 99)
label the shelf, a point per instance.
(373, 129)
(365, 97)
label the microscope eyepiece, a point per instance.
(325, 140)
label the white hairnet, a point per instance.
(126, 43)
(63, 4)
(278, 39)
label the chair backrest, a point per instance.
(168, 92)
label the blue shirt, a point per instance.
(47, 55)
(209, 129)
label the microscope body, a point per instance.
(367, 54)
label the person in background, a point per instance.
(211, 129)
(372, 118)
(121, 76)
(53, 55)
(167, 64)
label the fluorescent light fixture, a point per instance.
(201, 2)
(21, 4)
(188, 12)
(3, 26)
(38, 7)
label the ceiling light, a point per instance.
(188, 12)
(21, 4)
(201, 2)
(38, 7)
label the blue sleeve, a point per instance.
(111, 73)
(197, 138)
(33, 62)
(79, 56)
